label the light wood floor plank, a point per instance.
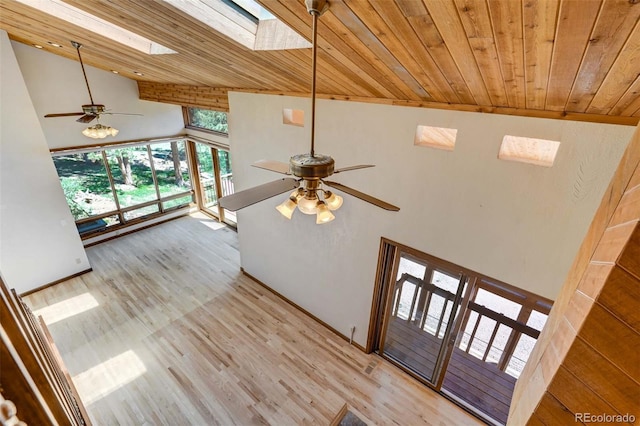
(176, 335)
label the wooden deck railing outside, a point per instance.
(209, 188)
(419, 315)
(414, 337)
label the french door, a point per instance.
(421, 310)
(466, 335)
(215, 180)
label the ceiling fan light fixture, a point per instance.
(297, 194)
(334, 202)
(287, 208)
(99, 131)
(309, 203)
(323, 214)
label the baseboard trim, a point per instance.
(301, 309)
(42, 287)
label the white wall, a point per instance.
(38, 238)
(515, 222)
(56, 85)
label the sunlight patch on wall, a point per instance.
(540, 152)
(85, 20)
(436, 137)
(99, 381)
(294, 117)
(67, 308)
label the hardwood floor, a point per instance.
(478, 383)
(167, 331)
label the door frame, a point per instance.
(216, 211)
(381, 308)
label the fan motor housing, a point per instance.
(316, 166)
(93, 109)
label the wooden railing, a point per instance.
(226, 182)
(33, 376)
(420, 307)
(419, 313)
(209, 188)
(517, 329)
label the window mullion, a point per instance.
(194, 171)
(216, 174)
(154, 177)
(113, 186)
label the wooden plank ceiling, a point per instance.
(576, 59)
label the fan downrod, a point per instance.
(317, 7)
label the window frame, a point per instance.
(120, 211)
(216, 210)
(189, 125)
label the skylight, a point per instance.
(79, 17)
(255, 9)
(540, 152)
(244, 21)
(436, 137)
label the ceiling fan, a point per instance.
(90, 111)
(310, 170)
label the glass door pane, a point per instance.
(421, 316)
(207, 178)
(226, 181)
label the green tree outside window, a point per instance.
(208, 119)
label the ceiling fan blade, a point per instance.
(346, 169)
(120, 113)
(362, 196)
(87, 118)
(63, 114)
(250, 196)
(272, 165)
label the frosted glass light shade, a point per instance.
(287, 208)
(308, 205)
(297, 194)
(334, 202)
(323, 215)
(99, 131)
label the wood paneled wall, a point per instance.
(214, 98)
(32, 376)
(587, 358)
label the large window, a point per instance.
(207, 119)
(115, 186)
